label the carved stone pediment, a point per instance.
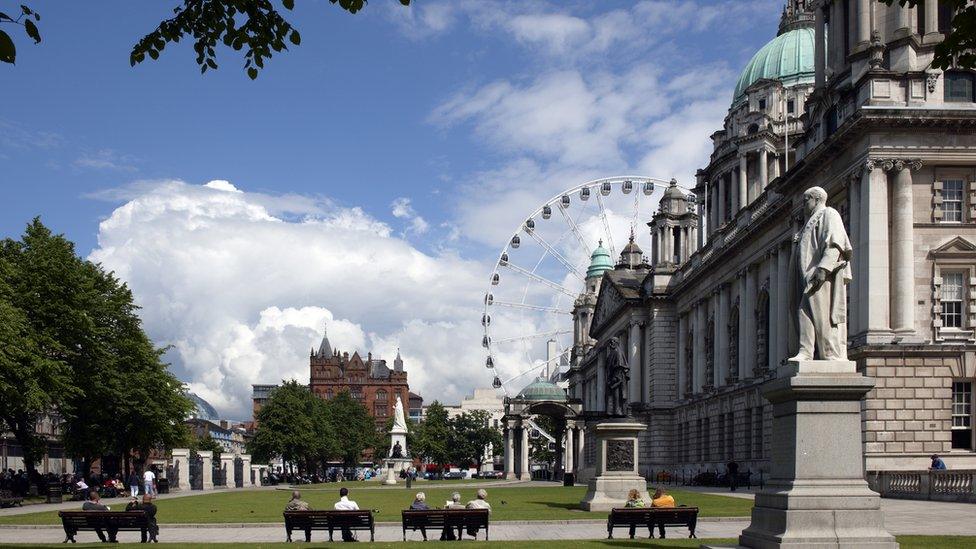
(608, 304)
(957, 248)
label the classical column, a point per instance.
(699, 343)
(772, 338)
(775, 159)
(714, 206)
(747, 323)
(734, 187)
(580, 432)
(701, 225)
(723, 189)
(874, 248)
(854, 219)
(509, 451)
(782, 303)
(634, 360)
(904, 20)
(902, 249)
(864, 21)
(744, 190)
(525, 473)
(568, 453)
(601, 381)
(682, 356)
(931, 18)
(722, 336)
(819, 53)
(763, 169)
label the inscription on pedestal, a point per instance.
(620, 455)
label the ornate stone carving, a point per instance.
(931, 79)
(620, 455)
(877, 50)
(893, 164)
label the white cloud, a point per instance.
(106, 159)
(242, 293)
(401, 209)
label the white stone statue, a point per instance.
(399, 420)
(819, 273)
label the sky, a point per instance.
(366, 180)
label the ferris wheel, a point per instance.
(540, 272)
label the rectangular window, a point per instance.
(747, 432)
(958, 87)
(730, 435)
(790, 106)
(962, 415)
(952, 297)
(952, 200)
(762, 104)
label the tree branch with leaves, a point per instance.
(27, 19)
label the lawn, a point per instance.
(515, 503)
(907, 542)
(418, 484)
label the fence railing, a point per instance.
(943, 485)
(746, 478)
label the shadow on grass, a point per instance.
(572, 506)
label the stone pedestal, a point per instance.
(616, 465)
(393, 468)
(206, 458)
(227, 465)
(181, 463)
(816, 496)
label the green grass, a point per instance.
(515, 503)
(907, 542)
(417, 484)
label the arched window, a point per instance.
(733, 331)
(762, 332)
(381, 395)
(753, 128)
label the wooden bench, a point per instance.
(8, 499)
(328, 520)
(439, 519)
(109, 521)
(650, 517)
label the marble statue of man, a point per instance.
(819, 273)
(618, 378)
(399, 421)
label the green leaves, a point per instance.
(254, 26)
(8, 52)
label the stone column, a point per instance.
(682, 357)
(772, 338)
(746, 324)
(181, 462)
(763, 168)
(931, 19)
(734, 188)
(254, 475)
(819, 53)
(634, 360)
(227, 464)
(902, 250)
(713, 206)
(509, 451)
(722, 337)
(864, 21)
(568, 453)
(904, 20)
(601, 382)
(699, 345)
(723, 190)
(207, 469)
(782, 302)
(854, 216)
(525, 473)
(701, 225)
(580, 434)
(744, 189)
(246, 470)
(874, 249)
(816, 495)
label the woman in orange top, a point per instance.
(662, 499)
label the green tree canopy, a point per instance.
(206, 443)
(473, 437)
(287, 425)
(433, 436)
(353, 426)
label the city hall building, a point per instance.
(845, 98)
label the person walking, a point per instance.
(732, 472)
(133, 484)
(346, 504)
(149, 481)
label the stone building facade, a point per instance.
(844, 98)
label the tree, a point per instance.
(353, 426)
(27, 18)
(958, 49)
(256, 26)
(287, 426)
(433, 436)
(539, 446)
(473, 437)
(206, 443)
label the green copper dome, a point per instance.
(541, 389)
(600, 262)
(787, 58)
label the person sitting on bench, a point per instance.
(448, 533)
(662, 499)
(346, 504)
(93, 504)
(479, 503)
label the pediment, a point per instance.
(958, 247)
(608, 303)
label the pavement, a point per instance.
(902, 517)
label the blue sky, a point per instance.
(402, 142)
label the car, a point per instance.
(454, 475)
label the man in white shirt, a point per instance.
(346, 504)
(149, 480)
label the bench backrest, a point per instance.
(97, 519)
(667, 515)
(442, 517)
(329, 518)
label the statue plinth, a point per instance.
(616, 465)
(816, 496)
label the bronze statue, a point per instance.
(397, 451)
(618, 379)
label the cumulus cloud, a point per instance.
(401, 209)
(242, 293)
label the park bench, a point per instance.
(8, 499)
(650, 517)
(328, 520)
(108, 521)
(439, 519)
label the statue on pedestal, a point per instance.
(618, 379)
(397, 452)
(819, 273)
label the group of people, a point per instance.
(111, 486)
(419, 504)
(94, 503)
(660, 499)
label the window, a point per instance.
(952, 200)
(790, 106)
(762, 104)
(951, 298)
(381, 395)
(747, 432)
(958, 87)
(757, 441)
(962, 415)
